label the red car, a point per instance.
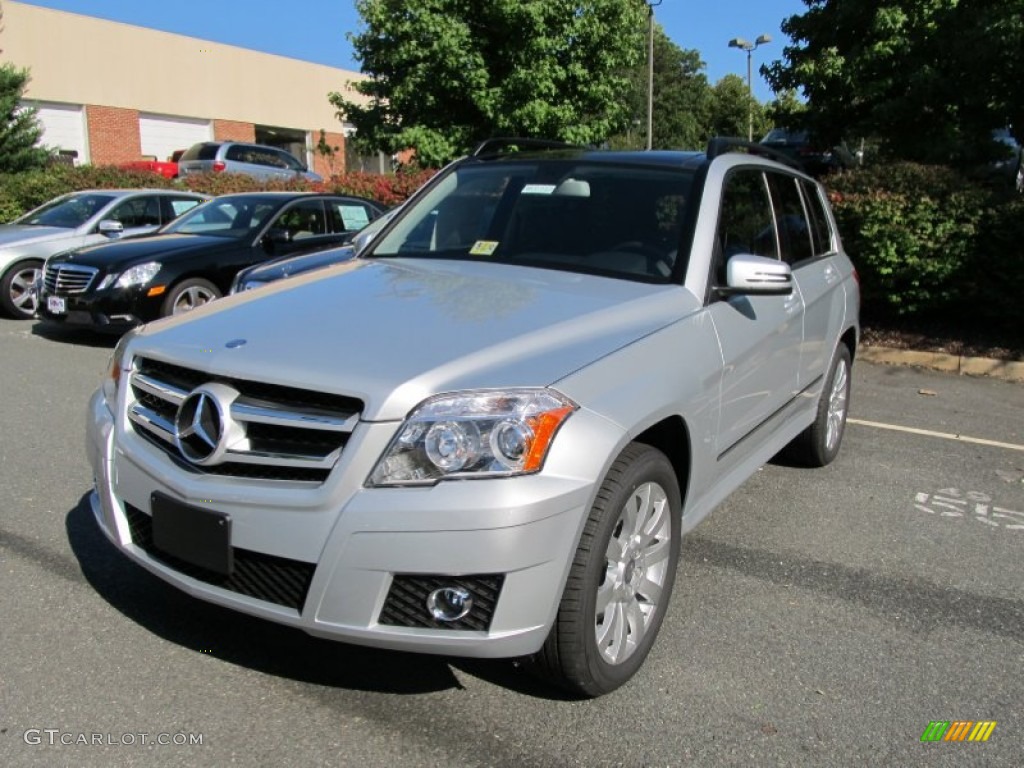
(167, 168)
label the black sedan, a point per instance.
(193, 260)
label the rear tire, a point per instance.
(189, 294)
(818, 445)
(620, 580)
(17, 299)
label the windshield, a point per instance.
(234, 217)
(617, 220)
(67, 212)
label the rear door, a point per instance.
(808, 244)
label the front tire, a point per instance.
(818, 445)
(189, 294)
(621, 577)
(17, 299)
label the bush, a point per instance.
(21, 192)
(930, 243)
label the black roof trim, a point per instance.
(720, 145)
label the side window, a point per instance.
(821, 230)
(137, 212)
(238, 153)
(173, 207)
(304, 219)
(745, 221)
(791, 219)
(348, 215)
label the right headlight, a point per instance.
(473, 435)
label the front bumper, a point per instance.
(113, 310)
(361, 545)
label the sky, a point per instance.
(315, 30)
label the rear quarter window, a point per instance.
(201, 152)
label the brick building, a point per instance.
(109, 92)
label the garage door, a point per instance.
(160, 136)
(63, 128)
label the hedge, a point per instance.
(931, 242)
(22, 192)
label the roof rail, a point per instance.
(720, 145)
(508, 145)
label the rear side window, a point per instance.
(206, 151)
(175, 206)
(349, 215)
(821, 230)
(794, 231)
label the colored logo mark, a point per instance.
(958, 730)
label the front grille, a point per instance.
(68, 278)
(265, 577)
(284, 433)
(406, 603)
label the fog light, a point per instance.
(449, 603)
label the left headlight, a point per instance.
(140, 274)
(473, 435)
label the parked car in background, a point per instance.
(1011, 165)
(166, 168)
(813, 157)
(192, 261)
(256, 160)
(72, 221)
(487, 434)
(289, 266)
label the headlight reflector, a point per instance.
(473, 435)
(140, 274)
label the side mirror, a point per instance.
(111, 228)
(759, 275)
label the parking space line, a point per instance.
(943, 435)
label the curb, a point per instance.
(1008, 370)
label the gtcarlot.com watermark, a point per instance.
(56, 737)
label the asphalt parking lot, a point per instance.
(821, 617)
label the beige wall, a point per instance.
(82, 60)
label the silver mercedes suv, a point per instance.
(486, 435)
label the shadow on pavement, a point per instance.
(79, 336)
(262, 645)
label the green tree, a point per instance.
(682, 99)
(930, 78)
(731, 108)
(19, 129)
(444, 74)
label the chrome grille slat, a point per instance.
(168, 392)
(289, 434)
(152, 421)
(285, 460)
(244, 410)
(68, 278)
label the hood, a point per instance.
(394, 332)
(134, 249)
(26, 234)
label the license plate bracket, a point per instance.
(199, 536)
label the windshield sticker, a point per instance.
(538, 189)
(483, 248)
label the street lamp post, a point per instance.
(749, 47)
(650, 71)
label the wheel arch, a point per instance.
(671, 436)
